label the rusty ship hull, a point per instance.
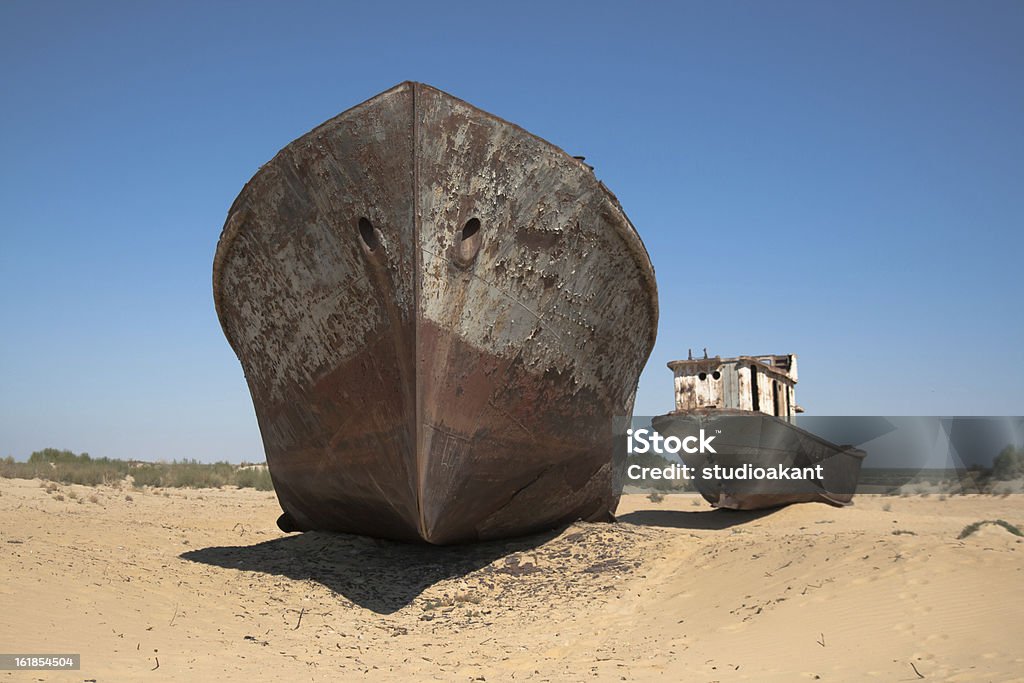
(438, 315)
(765, 441)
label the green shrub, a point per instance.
(65, 467)
(971, 528)
(1009, 464)
(256, 478)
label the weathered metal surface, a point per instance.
(763, 384)
(766, 441)
(748, 403)
(438, 315)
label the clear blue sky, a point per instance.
(840, 180)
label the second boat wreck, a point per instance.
(760, 457)
(438, 315)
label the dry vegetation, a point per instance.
(972, 528)
(66, 467)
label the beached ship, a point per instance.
(759, 457)
(438, 314)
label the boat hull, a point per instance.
(438, 315)
(763, 441)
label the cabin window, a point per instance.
(702, 376)
(368, 234)
(716, 375)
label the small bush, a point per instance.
(1009, 464)
(656, 496)
(255, 478)
(971, 528)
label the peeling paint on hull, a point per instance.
(438, 315)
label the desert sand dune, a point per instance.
(200, 585)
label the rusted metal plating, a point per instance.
(765, 384)
(438, 315)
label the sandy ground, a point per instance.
(202, 584)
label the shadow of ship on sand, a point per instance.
(383, 576)
(706, 520)
(583, 559)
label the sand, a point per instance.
(189, 585)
